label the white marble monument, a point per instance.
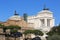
(43, 21)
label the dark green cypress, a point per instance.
(25, 17)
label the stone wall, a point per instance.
(2, 37)
(21, 23)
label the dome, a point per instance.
(15, 17)
(45, 11)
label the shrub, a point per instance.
(54, 37)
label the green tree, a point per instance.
(25, 17)
(54, 37)
(54, 30)
(13, 28)
(3, 27)
(27, 32)
(36, 32)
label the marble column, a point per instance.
(45, 21)
(48, 22)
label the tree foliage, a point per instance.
(36, 32)
(54, 37)
(25, 17)
(54, 30)
(13, 27)
(1, 25)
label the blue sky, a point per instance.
(31, 7)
